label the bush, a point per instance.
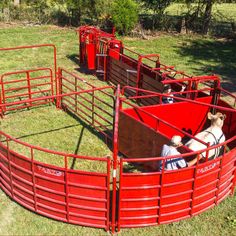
(124, 15)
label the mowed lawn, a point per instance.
(194, 54)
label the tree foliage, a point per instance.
(73, 12)
(124, 15)
(158, 6)
(201, 10)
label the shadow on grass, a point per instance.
(47, 131)
(82, 69)
(28, 108)
(221, 55)
(77, 148)
(105, 136)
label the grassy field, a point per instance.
(46, 126)
(221, 12)
(193, 54)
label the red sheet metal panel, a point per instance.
(206, 186)
(91, 55)
(163, 197)
(168, 196)
(88, 198)
(176, 114)
(138, 199)
(72, 196)
(227, 175)
(115, 47)
(176, 194)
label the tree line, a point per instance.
(123, 14)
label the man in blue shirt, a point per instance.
(171, 150)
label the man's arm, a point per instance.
(194, 161)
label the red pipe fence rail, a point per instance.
(134, 120)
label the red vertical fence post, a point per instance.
(66, 188)
(29, 87)
(1, 108)
(58, 88)
(33, 178)
(194, 186)
(115, 160)
(93, 110)
(138, 74)
(108, 191)
(119, 203)
(3, 100)
(9, 167)
(161, 189)
(219, 178)
(105, 67)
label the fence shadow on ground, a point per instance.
(213, 57)
(81, 69)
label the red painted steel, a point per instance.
(115, 160)
(160, 197)
(120, 65)
(73, 196)
(93, 42)
(96, 108)
(26, 88)
(51, 76)
(163, 197)
(138, 199)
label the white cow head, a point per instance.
(217, 120)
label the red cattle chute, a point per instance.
(94, 44)
(159, 197)
(114, 198)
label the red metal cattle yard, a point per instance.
(128, 111)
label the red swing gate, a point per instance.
(19, 86)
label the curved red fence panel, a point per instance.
(149, 196)
(163, 197)
(73, 196)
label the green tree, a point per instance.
(158, 7)
(202, 9)
(124, 15)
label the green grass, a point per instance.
(193, 54)
(52, 128)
